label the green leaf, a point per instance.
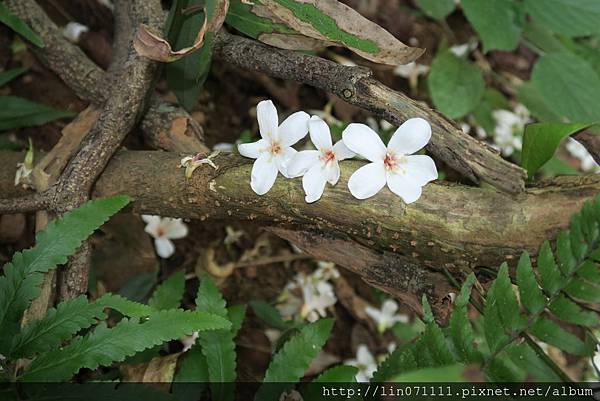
(14, 23)
(465, 291)
(541, 141)
(438, 9)
(169, 294)
(504, 369)
(492, 323)
(529, 363)
(569, 86)
(568, 311)
(551, 333)
(530, 96)
(313, 391)
(566, 17)
(451, 373)
(269, 314)
(16, 112)
(590, 272)
(400, 361)
(531, 296)
(9, 75)
(104, 346)
(432, 349)
(584, 291)
(506, 301)
(566, 260)
(291, 361)
(461, 331)
(549, 273)
(495, 22)
(209, 298)
(455, 85)
(61, 238)
(427, 312)
(139, 286)
(190, 381)
(124, 306)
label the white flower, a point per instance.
(73, 31)
(326, 271)
(386, 317)
(464, 49)
(191, 163)
(394, 165)
(577, 150)
(318, 166)
(233, 236)
(308, 296)
(274, 150)
(188, 341)
(317, 298)
(411, 70)
(365, 362)
(163, 230)
(24, 169)
(509, 129)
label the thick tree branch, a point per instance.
(465, 154)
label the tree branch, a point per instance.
(470, 157)
(25, 204)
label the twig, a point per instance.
(24, 204)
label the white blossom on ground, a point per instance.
(318, 297)
(386, 317)
(188, 341)
(464, 49)
(510, 125)
(587, 162)
(274, 150)
(163, 230)
(405, 174)
(73, 31)
(365, 362)
(317, 167)
(24, 169)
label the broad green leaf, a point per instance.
(492, 100)
(566, 17)
(541, 141)
(455, 85)
(531, 98)
(551, 333)
(9, 75)
(291, 361)
(567, 310)
(61, 238)
(400, 361)
(549, 272)
(269, 314)
(169, 294)
(14, 23)
(495, 22)
(190, 381)
(16, 112)
(104, 346)
(542, 38)
(438, 9)
(569, 86)
(531, 296)
(450, 373)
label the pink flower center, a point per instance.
(393, 162)
(160, 232)
(275, 147)
(327, 155)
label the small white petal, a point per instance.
(264, 173)
(266, 114)
(363, 140)
(404, 186)
(421, 168)
(282, 160)
(254, 149)
(374, 313)
(301, 162)
(333, 172)
(342, 152)
(164, 247)
(294, 128)
(175, 228)
(367, 180)
(411, 136)
(149, 218)
(73, 31)
(313, 183)
(152, 228)
(389, 307)
(319, 133)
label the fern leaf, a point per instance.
(58, 325)
(551, 333)
(584, 291)
(503, 369)
(270, 315)
(525, 358)
(461, 331)
(506, 300)
(432, 349)
(60, 239)
(492, 324)
(451, 373)
(209, 299)
(549, 273)
(590, 272)
(427, 312)
(104, 346)
(399, 361)
(169, 294)
(566, 259)
(531, 296)
(568, 311)
(124, 306)
(291, 361)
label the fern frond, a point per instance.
(169, 293)
(104, 346)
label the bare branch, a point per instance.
(24, 204)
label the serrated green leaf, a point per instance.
(531, 296)
(568, 311)
(578, 244)
(549, 272)
(16, 112)
(451, 373)
(104, 346)
(530, 363)
(14, 23)
(427, 312)
(169, 294)
(401, 360)
(463, 337)
(465, 291)
(438, 9)
(583, 291)
(502, 368)
(124, 306)
(495, 22)
(540, 142)
(432, 347)
(455, 85)
(566, 259)
(567, 17)
(506, 301)
(589, 271)
(551, 333)
(61, 238)
(269, 314)
(209, 298)
(492, 323)
(9, 75)
(291, 361)
(191, 380)
(236, 315)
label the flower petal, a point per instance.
(313, 183)
(411, 136)
(421, 168)
(342, 152)
(266, 114)
(150, 218)
(264, 173)
(367, 180)
(319, 133)
(301, 162)
(283, 160)
(361, 139)
(175, 228)
(253, 149)
(333, 172)
(293, 128)
(389, 307)
(164, 247)
(404, 186)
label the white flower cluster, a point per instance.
(578, 151)
(405, 174)
(309, 296)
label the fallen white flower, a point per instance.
(365, 362)
(163, 230)
(24, 169)
(386, 317)
(73, 31)
(233, 236)
(404, 173)
(274, 150)
(318, 166)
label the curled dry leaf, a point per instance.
(150, 45)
